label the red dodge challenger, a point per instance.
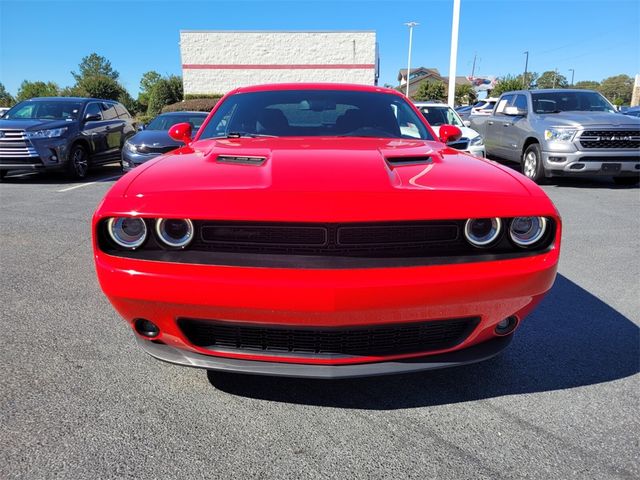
(323, 230)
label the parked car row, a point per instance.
(74, 134)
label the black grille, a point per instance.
(461, 144)
(595, 158)
(330, 239)
(389, 339)
(610, 139)
(158, 150)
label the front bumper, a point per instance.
(477, 151)
(616, 163)
(178, 356)
(43, 154)
(163, 292)
(131, 160)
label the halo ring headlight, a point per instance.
(481, 232)
(127, 232)
(175, 232)
(527, 231)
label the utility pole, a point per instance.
(555, 77)
(572, 74)
(525, 82)
(454, 53)
(473, 68)
(410, 25)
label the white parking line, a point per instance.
(88, 183)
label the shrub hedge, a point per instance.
(195, 105)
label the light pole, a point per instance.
(555, 77)
(410, 25)
(525, 83)
(573, 72)
(454, 53)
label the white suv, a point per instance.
(438, 114)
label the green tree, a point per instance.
(507, 83)
(100, 86)
(430, 90)
(587, 85)
(166, 91)
(95, 65)
(36, 89)
(618, 89)
(129, 102)
(552, 79)
(6, 99)
(465, 94)
(147, 82)
(531, 79)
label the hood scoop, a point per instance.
(241, 160)
(406, 160)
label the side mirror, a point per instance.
(467, 123)
(142, 126)
(181, 132)
(515, 111)
(92, 117)
(449, 133)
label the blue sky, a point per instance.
(45, 40)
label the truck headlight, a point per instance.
(50, 133)
(559, 134)
(475, 141)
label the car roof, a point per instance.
(186, 112)
(73, 99)
(315, 86)
(431, 104)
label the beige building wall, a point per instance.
(219, 61)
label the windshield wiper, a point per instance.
(245, 134)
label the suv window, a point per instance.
(520, 102)
(109, 111)
(504, 102)
(122, 112)
(93, 109)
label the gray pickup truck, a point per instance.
(562, 132)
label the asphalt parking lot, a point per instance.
(79, 399)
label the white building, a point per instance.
(219, 61)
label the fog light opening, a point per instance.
(577, 166)
(506, 326)
(146, 328)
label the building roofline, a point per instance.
(277, 31)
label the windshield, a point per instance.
(556, 102)
(437, 116)
(45, 110)
(165, 122)
(299, 113)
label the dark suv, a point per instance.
(63, 133)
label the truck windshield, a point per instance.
(44, 110)
(300, 113)
(570, 101)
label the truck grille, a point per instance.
(610, 139)
(147, 149)
(388, 339)
(14, 144)
(461, 144)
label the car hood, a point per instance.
(32, 124)
(466, 132)
(589, 119)
(156, 138)
(325, 179)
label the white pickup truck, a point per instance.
(562, 132)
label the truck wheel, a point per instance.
(78, 163)
(629, 181)
(532, 163)
(3, 173)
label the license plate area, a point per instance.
(611, 167)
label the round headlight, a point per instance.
(481, 232)
(525, 231)
(174, 232)
(128, 232)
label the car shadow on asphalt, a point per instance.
(61, 178)
(572, 339)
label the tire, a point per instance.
(628, 181)
(532, 163)
(3, 173)
(78, 163)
